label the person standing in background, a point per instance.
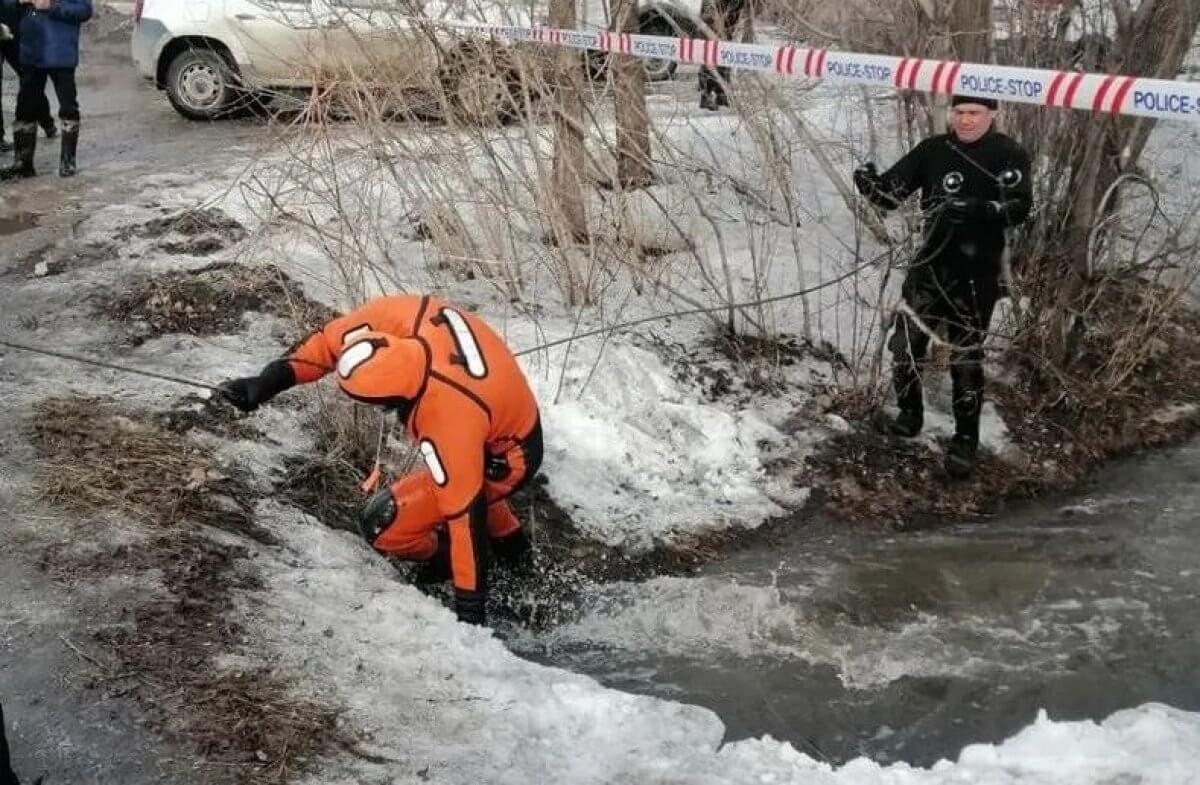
(49, 51)
(10, 42)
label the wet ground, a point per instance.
(65, 719)
(844, 642)
(909, 647)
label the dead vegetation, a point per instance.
(93, 457)
(325, 482)
(210, 301)
(203, 229)
(1133, 385)
(248, 725)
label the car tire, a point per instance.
(202, 85)
(657, 69)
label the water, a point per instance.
(908, 647)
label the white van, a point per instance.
(210, 55)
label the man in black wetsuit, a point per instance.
(974, 184)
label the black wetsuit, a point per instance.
(970, 193)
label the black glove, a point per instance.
(249, 392)
(866, 179)
(469, 606)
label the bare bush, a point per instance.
(747, 209)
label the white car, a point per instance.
(210, 55)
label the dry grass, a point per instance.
(1139, 359)
(192, 222)
(211, 301)
(94, 459)
(325, 481)
(1063, 428)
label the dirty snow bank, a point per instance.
(443, 702)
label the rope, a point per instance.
(699, 310)
(541, 347)
(111, 366)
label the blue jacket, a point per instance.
(50, 38)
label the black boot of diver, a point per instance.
(907, 424)
(961, 456)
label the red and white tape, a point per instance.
(1163, 99)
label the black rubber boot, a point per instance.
(24, 146)
(708, 101)
(70, 142)
(961, 456)
(908, 423)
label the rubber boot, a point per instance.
(69, 143)
(961, 456)
(908, 423)
(24, 146)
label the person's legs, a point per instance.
(505, 475)
(68, 112)
(966, 332)
(4, 58)
(402, 520)
(33, 84)
(909, 345)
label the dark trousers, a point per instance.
(31, 100)
(961, 311)
(8, 54)
(7, 777)
(722, 16)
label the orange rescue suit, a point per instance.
(470, 409)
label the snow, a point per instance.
(451, 701)
(634, 439)
(637, 454)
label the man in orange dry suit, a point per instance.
(466, 403)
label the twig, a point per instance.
(82, 654)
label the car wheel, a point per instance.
(658, 69)
(201, 85)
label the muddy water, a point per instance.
(15, 224)
(908, 647)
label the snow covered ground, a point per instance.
(447, 703)
(636, 452)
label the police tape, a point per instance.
(1163, 99)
